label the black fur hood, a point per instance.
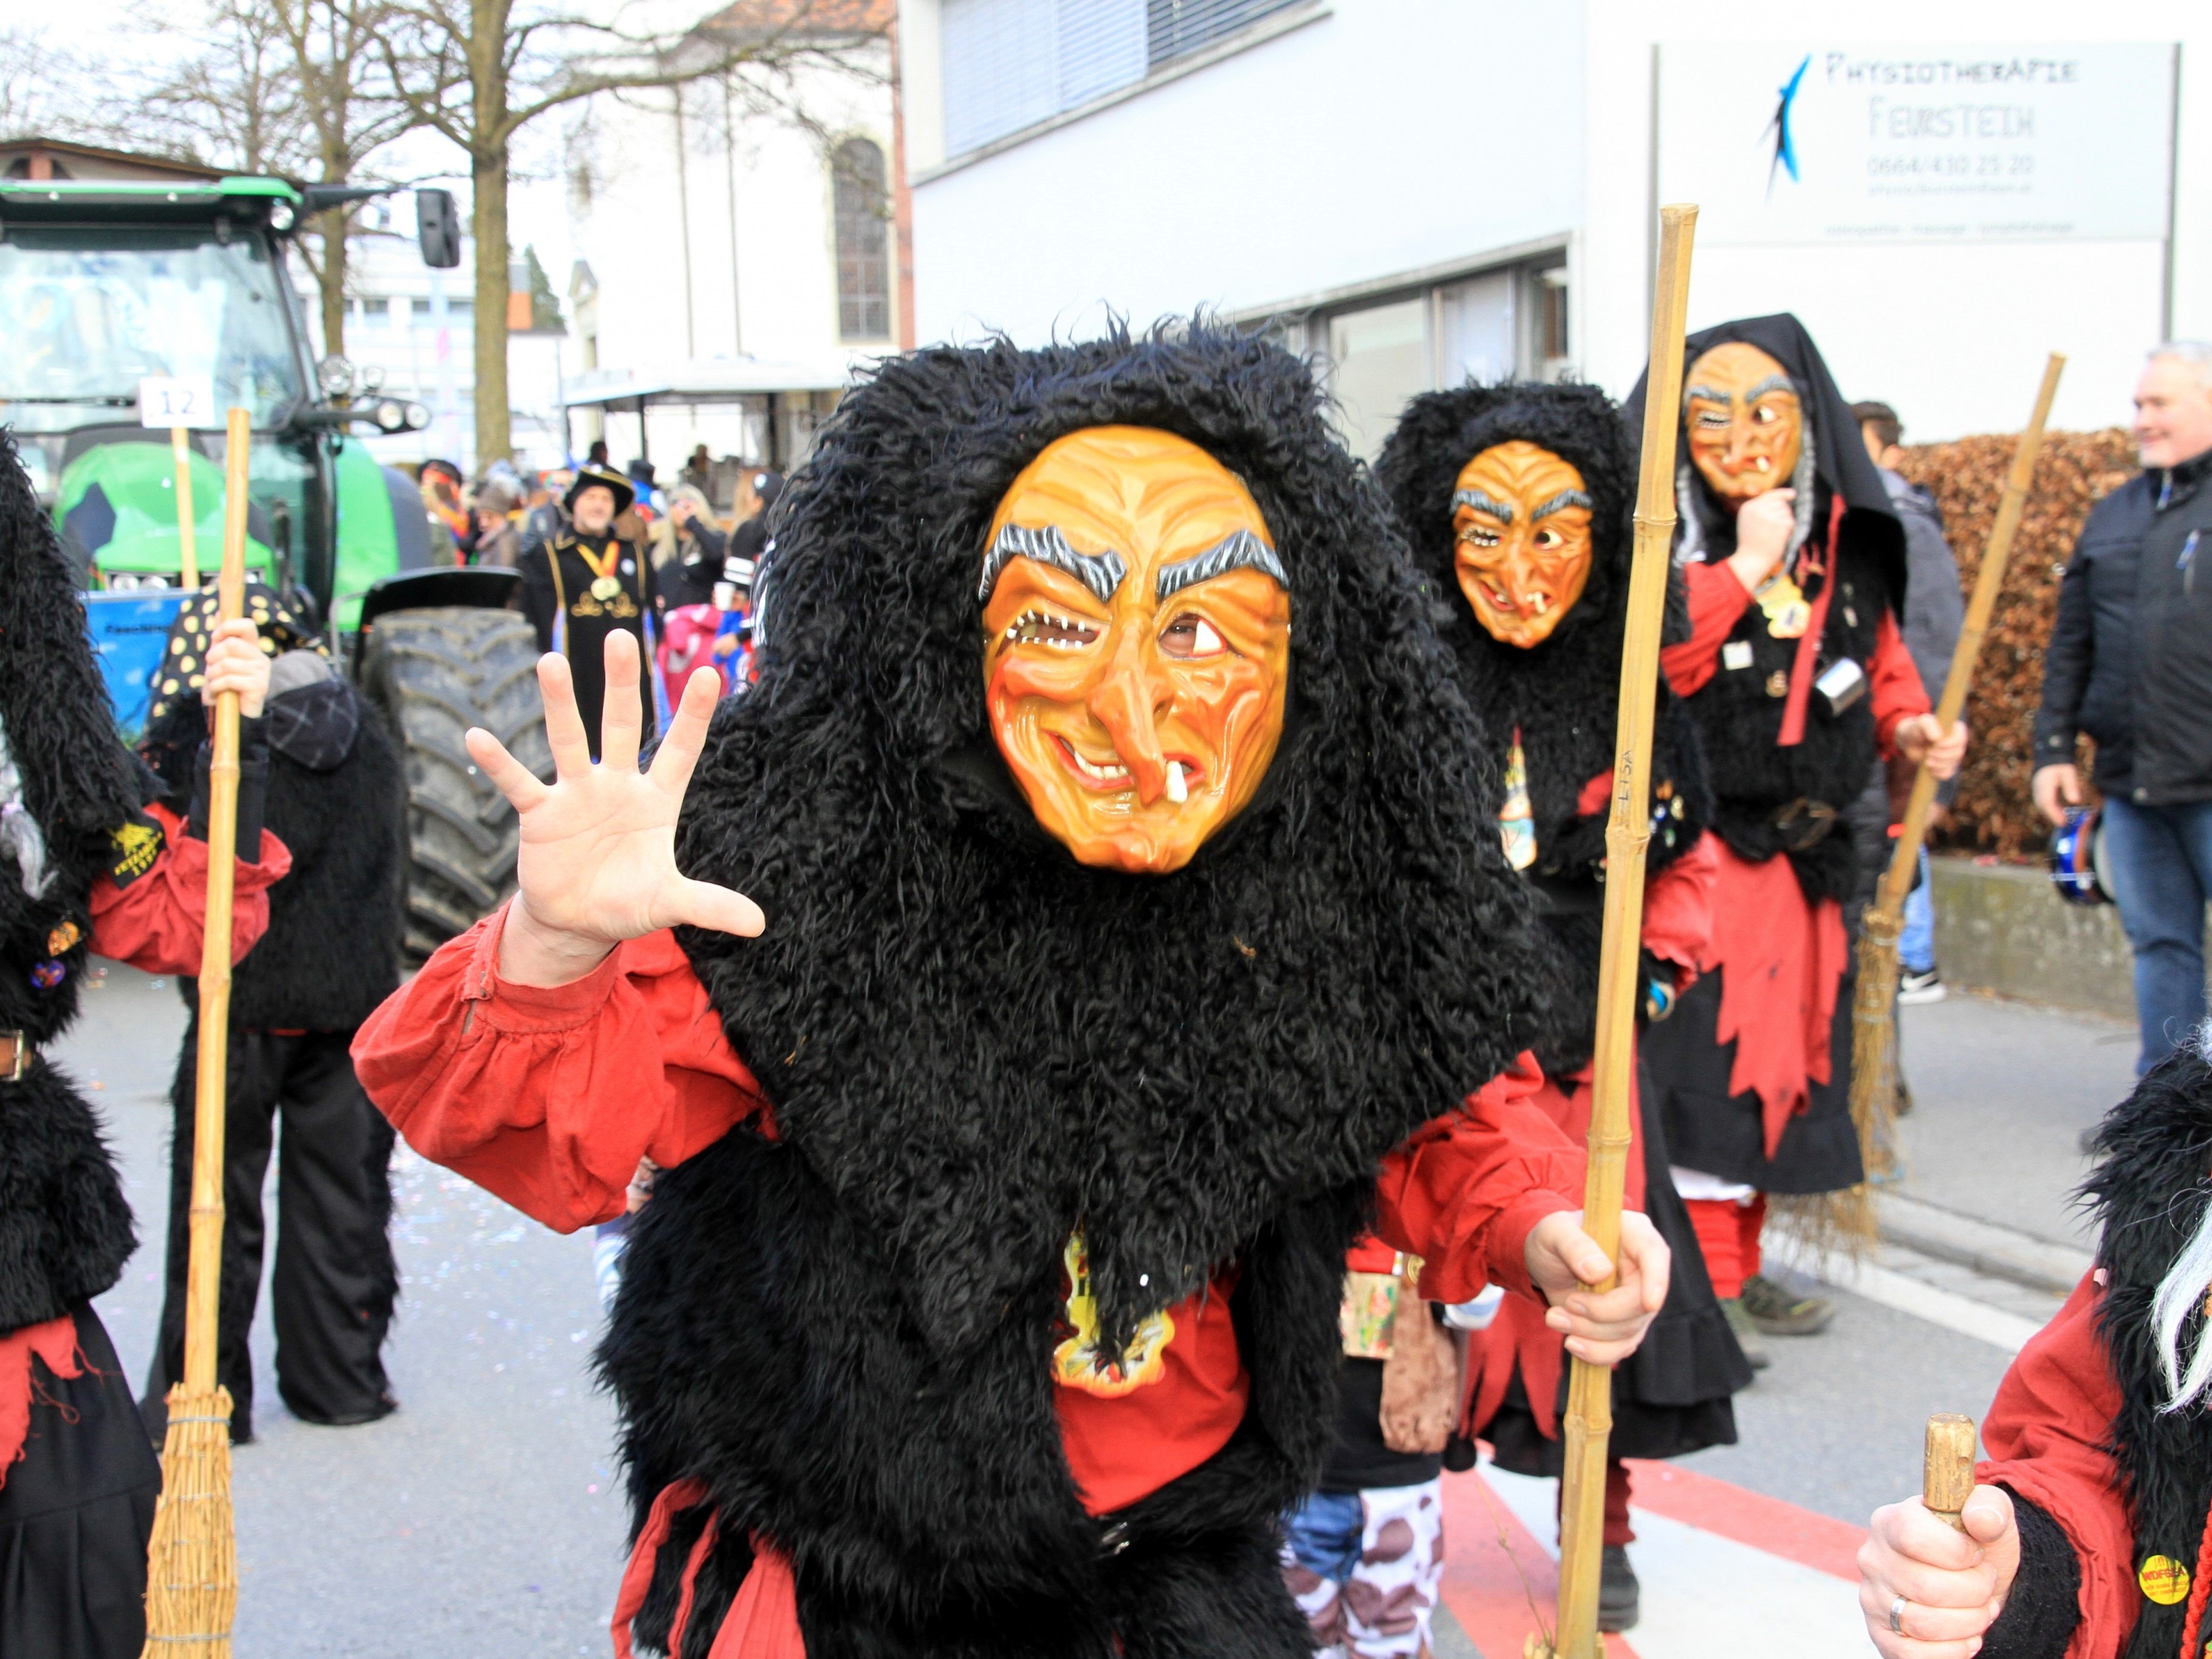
(2150, 1189)
(981, 1045)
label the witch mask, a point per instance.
(1136, 644)
(1745, 422)
(1521, 540)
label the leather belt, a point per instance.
(1804, 823)
(16, 1054)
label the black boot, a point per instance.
(1618, 1592)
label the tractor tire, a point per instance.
(435, 673)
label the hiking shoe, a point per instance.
(1747, 1334)
(1920, 988)
(1618, 1592)
(1779, 1312)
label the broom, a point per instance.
(1588, 1421)
(188, 563)
(1846, 1221)
(191, 1579)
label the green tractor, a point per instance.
(108, 283)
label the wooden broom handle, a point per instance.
(1589, 1422)
(1947, 1480)
(1905, 858)
(203, 1274)
(188, 559)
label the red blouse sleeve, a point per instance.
(1678, 908)
(1466, 1188)
(548, 1095)
(1894, 682)
(1717, 600)
(149, 909)
(2045, 1439)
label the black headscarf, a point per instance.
(981, 1045)
(1840, 463)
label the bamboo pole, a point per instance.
(188, 563)
(1588, 1424)
(191, 1586)
(1873, 1027)
(1947, 1471)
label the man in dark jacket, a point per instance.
(2130, 665)
(337, 793)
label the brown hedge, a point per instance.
(2076, 470)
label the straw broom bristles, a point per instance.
(191, 1568)
(1844, 1224)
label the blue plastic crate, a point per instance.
(128, 633)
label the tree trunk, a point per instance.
(330, 278)
(487, 179)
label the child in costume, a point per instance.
(1517, 501)
(1796, 675)
(94, 858)
(1127, 953)
(338, 798)
(2088, 1537)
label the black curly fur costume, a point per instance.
(1751, 775)
(973, 1045)
(64, 1229)
(1563, 694)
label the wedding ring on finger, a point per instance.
(1897, 1615)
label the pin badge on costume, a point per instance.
(2163, 1580)
(1135, 645)
(1736, 653)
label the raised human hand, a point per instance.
(1564, 1263)
(598, 862)
(1945, 1588)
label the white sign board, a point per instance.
(184, 400)
(1815, 142)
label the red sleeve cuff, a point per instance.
(1507, 1250)
(518, 1008)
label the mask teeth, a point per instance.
(1177, 791)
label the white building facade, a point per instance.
(1420, 191)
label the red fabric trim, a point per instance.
(1717, 597)
(1784, 959)
(54, 1342)
(1370, 1255)
(637, 1575)
(157, 923)
(1895, 691)
(762, 1623)
(1808, 642)
(1678, 909)
(2198, 1588)
(687, 1587)
(2045, 1434)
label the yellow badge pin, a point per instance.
(2163, 1580)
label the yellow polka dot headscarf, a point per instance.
(183, 658)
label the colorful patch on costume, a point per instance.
(44, 976)
(1517, 819)
(1077, 1363)
(62, 938)
(1369, 1315)
(2163, 1580)
(138, 847)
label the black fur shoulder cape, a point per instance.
(64, 1229)
(2150, 1189)
(1754, 779)
(1562, 694)
(981, 1045)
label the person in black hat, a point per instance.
(589, 582)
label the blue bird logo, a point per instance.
(1785, 143)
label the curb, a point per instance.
(1986, 1246)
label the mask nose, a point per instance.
(1128, 703)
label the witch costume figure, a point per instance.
(2089, 1531)
(94, 860)
(1796, 675)
(1137, 934)
(1516, 500)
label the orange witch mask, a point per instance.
(1745, 424)
(1136, 644)
(1521, 539)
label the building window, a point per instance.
(864, 259)
(1010, 64)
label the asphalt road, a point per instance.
(485, 1518)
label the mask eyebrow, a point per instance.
(1707, 394)
(1565, 499)
(1102, 572)
(1481, 503)
(1242, 551)
(1771, 383)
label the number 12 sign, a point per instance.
(184, 400)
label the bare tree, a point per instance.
(478, 71)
